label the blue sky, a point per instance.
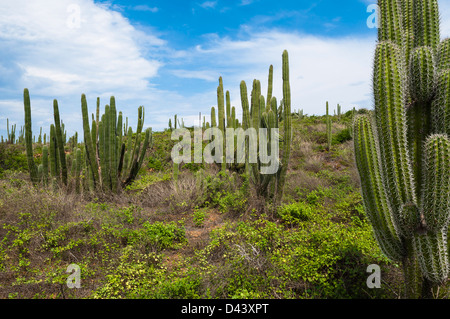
(168, 55)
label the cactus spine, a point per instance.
(403, 150)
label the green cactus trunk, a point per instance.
(60, 142)
(45, 164)
(28, 138)
(287, 136)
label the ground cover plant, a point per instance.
(351, 192)
(212, 237)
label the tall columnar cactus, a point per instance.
(402, 150)
(45, 165)
(60, 141)
(78, 161)
(221, 118)
(329, 135)
(28, 138)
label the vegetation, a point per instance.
(312, 229)
(212, 236)
(402, 150)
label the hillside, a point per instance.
(205, 236)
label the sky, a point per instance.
(169, 55)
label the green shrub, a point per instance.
(342, 136)
(12, 157)
(159, 235)
(154, 164)
(294, 213)
(199, 217)
(226, 192)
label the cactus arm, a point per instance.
(269, 88)
(375, 199)
(287, 125)
(426, 27)
(90, 151)
(391, 124)
(45, 164)
(431, 249)
(436, 195)
(390, 21)
(28, 137)
(60, 142)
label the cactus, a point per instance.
(54, 167)
(264, 114)
(45, 164)
(40, 137)
(402, 150)
(116, 163)
(60, 142)
(28, 138)
(11, 136)
(78, 164)
(222, 119)
(329, 134)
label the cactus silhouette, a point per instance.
(402, 149)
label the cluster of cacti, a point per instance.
(113, 159)
(403, 151)
(298, 115)
(110, 160)
(177, 123)
(328, 122)
(12, 135)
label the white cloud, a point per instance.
(321, 69)
(57, 53)
(145, 8)
(209, 75)
(208, 4)
(61, 49)
(444, 9)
